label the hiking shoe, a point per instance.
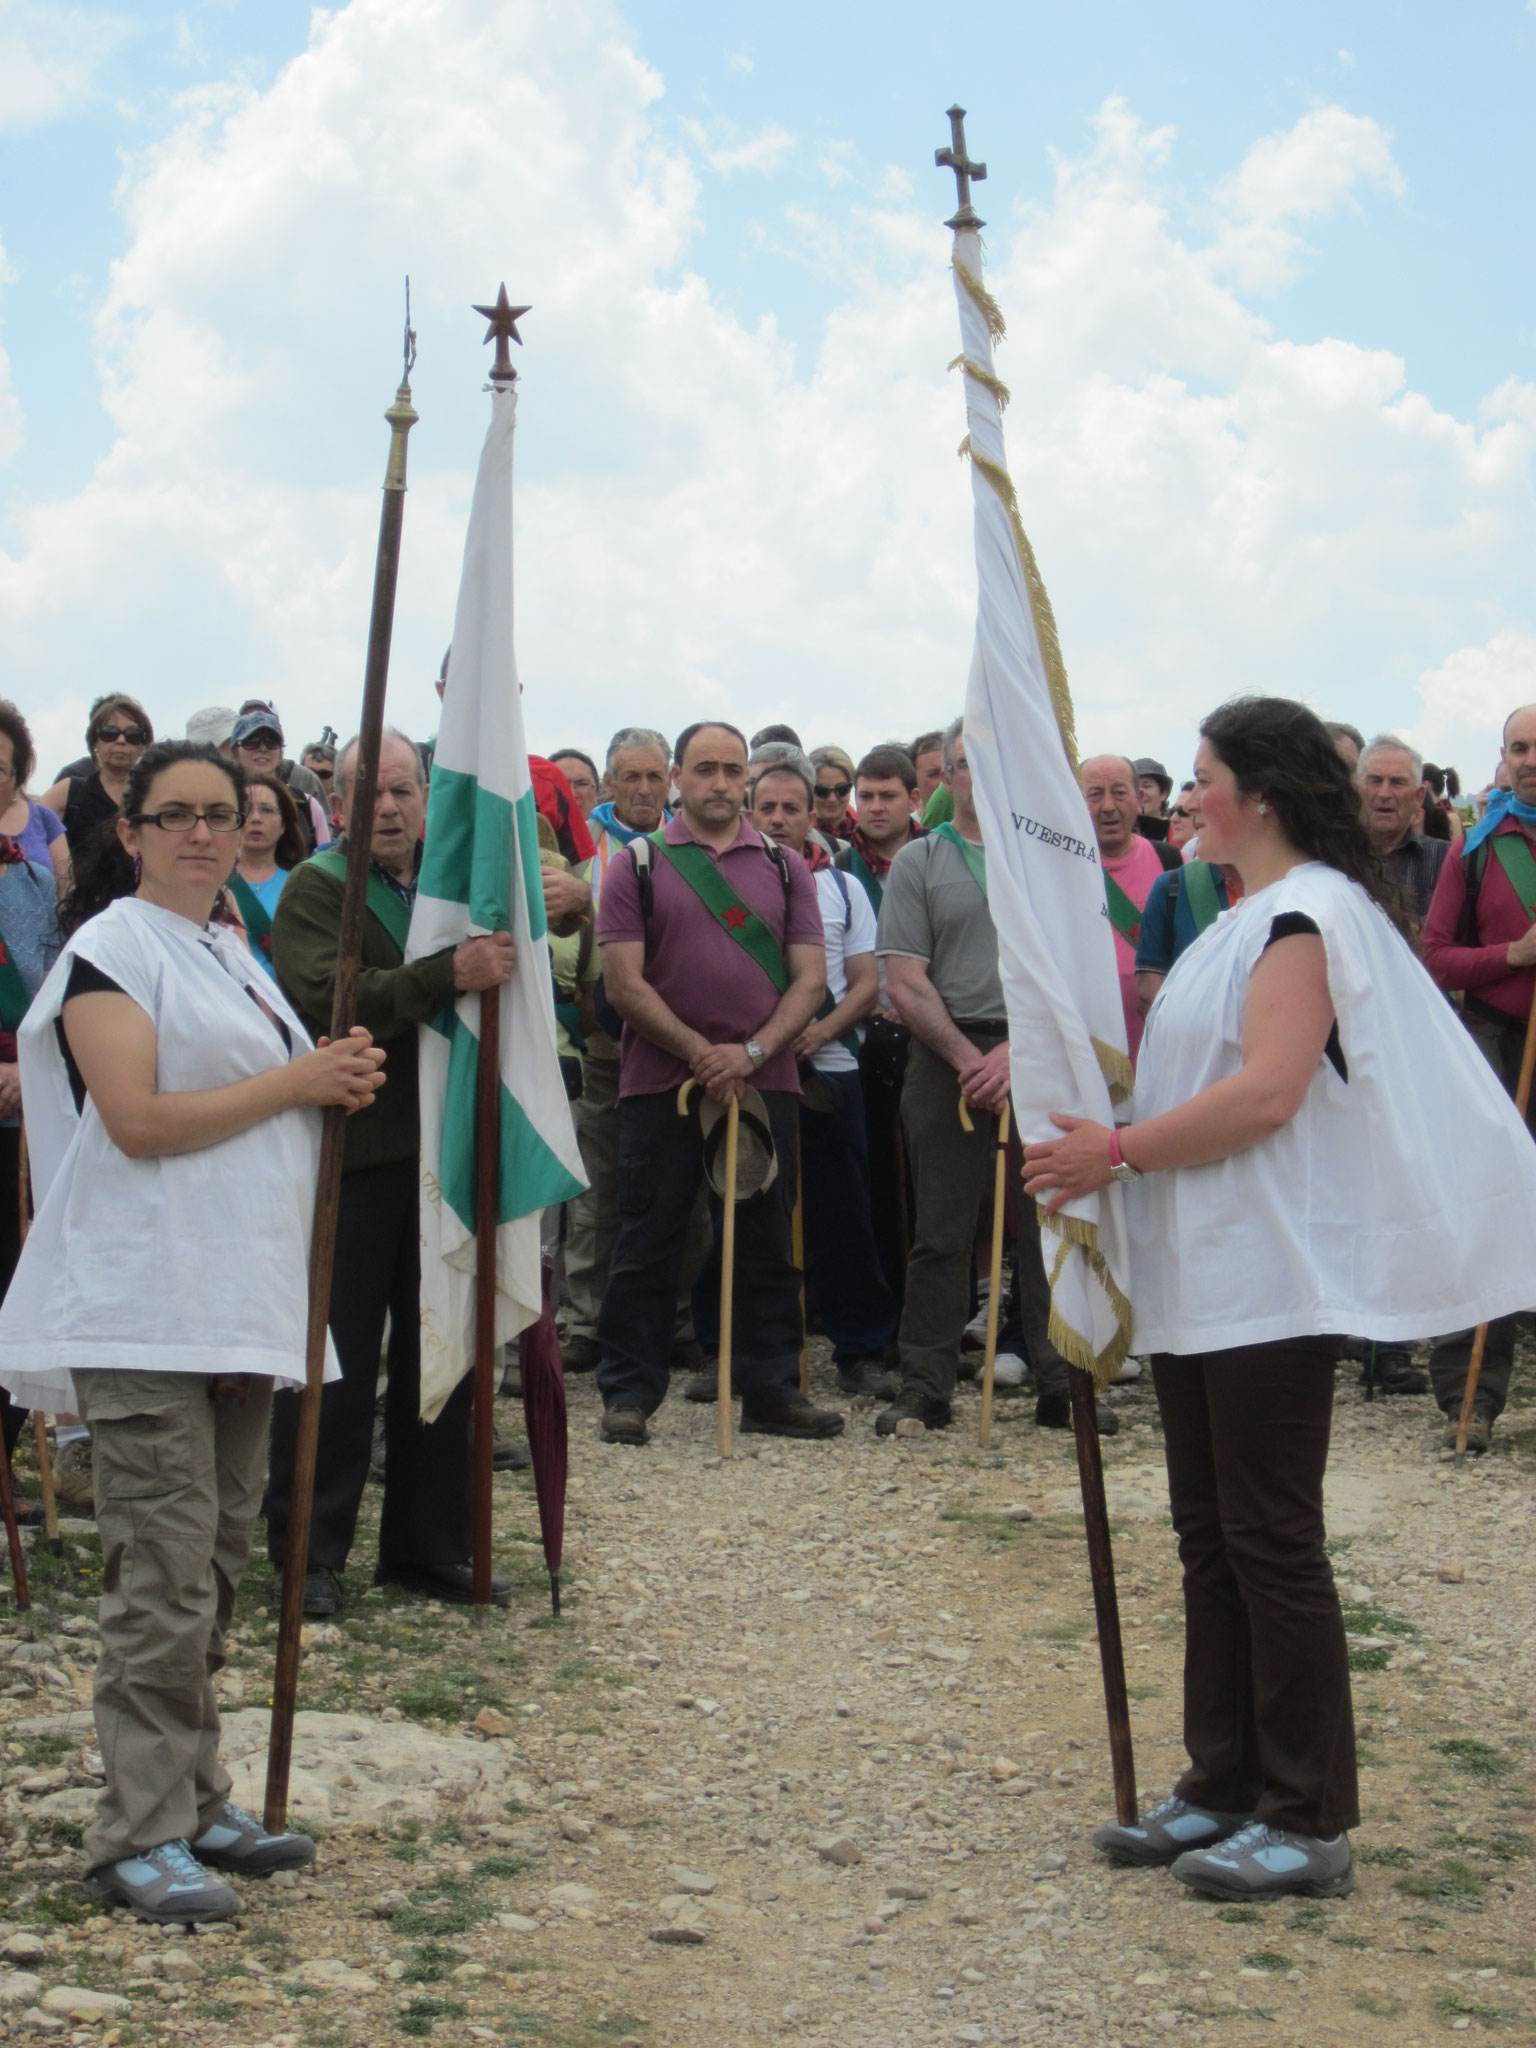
(1261, 1862)
(581, 1354)
(1170, 1829)
(237, 1841)
(1129, 1372)
(622, 1426)
(454, 1583)
(1389, 1369)
(927, 1409)
(166, 1886)
(1054, 1411)
(73, 1486)
(798, 1417)
(376, 1452)
(687, 1355)
(867, 1378)
(322, 1591)
(1479, 1433)
(703, 1386)
(1008, 1369)
(509, 1457)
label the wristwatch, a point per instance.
(754, 1052)
(1119, 1167)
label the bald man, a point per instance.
(1131, 865)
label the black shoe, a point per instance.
(703, 1386)
(868, 1379)
(581, 1354)
(687, 1355)
(1392, 1378)
(1054, 1411)
(924, 1408)
(322, 1591)
(968, 1366)
(622, 1426)
(798, 1418)
(509, 1457)
(454, 1583)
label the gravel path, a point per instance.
(815, 1757)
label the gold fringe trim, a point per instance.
(1072, 1344)
(985, 378)
(988, 307)
(1117, 1070)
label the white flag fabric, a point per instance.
(480, 873)
(1066, 1023)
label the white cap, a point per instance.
(211, 727)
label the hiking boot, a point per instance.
(73, 1487)
(322, 1591)
(797, 1418)
(1128, 1373)
(867, 1378)
(509, 1457)
(581, 1354)
(927, 1409)
(453, 1583)
(1008, 1369)
(687, 1355)
(968, 1365)
(1389, 1369)
(1479, 1432)
(166, 1886)
(1169, 1830)
(1261, 1862)
(703, 1386)
(1054, 1411)
(622, 1426)
(237, 1841)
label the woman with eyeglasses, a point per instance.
(173, 1101)
(1182, 824)
(87, 795)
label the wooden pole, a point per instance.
(322, 1244)
(798, 1228)
(12, 1531)
(487, 1205)
(995, 1295)
(727, 1280)
(1101, 1569)
(39, 1425)
(1475, 1362)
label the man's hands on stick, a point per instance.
(722, 1071)
(986, 1078)
(484, 962)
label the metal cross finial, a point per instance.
(955, 159)
(503, 317)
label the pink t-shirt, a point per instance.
(701, 973)
(1135, 870)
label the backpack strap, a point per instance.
(842, 884)
(1170, 910)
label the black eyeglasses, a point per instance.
(838, 789)
(135, 735)
(220, 819)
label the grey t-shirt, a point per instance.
(933, 911)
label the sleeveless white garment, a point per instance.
(1400, 1205)
(197, 1262)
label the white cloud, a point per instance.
(728, 151)
(1303, 173)
(48, 58)
(1466, 699)
(705, 521)
(738, 60)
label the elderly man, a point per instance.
(424, 1529)
(1390, 775)
(712, 955)
(1131, 864)
(939, 946)
(1480, 938)
(636, 775)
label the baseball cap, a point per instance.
(212, 726)
(252, 722)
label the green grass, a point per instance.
(1307, 1917)
(1365, 1618)
(449, 1907)
(1348, 1941)
(1268, 1959)
(1476, 1759)
(43, 1751)
(502, 1866)
(217, 2009)
(1394, 1858)
(1238, 1916)
(1144, 1692)
(422, 2014)
(1375, 1659)
(1451, 2006)
(1450, 1883)
(455, 1693)
(63, 1905)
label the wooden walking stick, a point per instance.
(487, 1205)
(994, 1297)
(39, 1425)
(798, 1251)
(402, 417)
(727, 1278)
(1106, 1607)
(1480, 1338)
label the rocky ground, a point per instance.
(813, 1757)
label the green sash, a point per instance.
(706, 881)
(1123, 914)
(1200, 893)
(1515, 858)
(975, 856)
(258, 926)
(874, 888)
(14, 995)
(391, 911)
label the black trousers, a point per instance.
(661, 1163)
(1267, 1717)
(11, 1416)
(426, 1465)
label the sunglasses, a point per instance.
(324, 774)
(831, 789)
(135, 735)
(262, 739)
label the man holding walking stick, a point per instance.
(1480, 939)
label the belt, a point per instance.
(998, 1027)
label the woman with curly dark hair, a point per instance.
(1295, 1062)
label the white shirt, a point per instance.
(195, 1262)
(1402, 1201)
(848, 925)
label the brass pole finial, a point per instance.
(955, 159)
(503, 317)
(402, 415)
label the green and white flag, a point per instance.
(480, 873)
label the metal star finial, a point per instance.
(503, 317)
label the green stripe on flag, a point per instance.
(532, 1178)
(468, 856)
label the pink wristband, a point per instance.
(1115, 1158)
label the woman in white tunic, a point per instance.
(1298, 1067)
(173, 1103)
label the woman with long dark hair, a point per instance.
(271, 846)
(172, 1100)
(1295, 1062)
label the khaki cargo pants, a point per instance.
(178, 1479)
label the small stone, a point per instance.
(692, 1882)
(388, 1904)
(24, 1948)
(874, 1924)
(681, 1934)
(490, 1722)
(516, 1923)
(970, 2032)
(177, 1963)
(910, 1426)
(575, 1830)
(77, 2003)
(1053, 1863)
(1017, 1513)
(840, 1849)
(41, 2022)
(1003, 1768)
(17, 1986)
(1451, 1574)
(901, 1889)
(1361, 1594)
(707, 1707)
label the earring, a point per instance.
(1263, 810)
(138, 869)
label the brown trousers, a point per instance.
(178, 1478)
(1267, 1717)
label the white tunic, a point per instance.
(1398, 1205)
(190, 1263)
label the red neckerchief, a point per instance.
(816, 855)
(879, 863)
(10, 850)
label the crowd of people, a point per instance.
(806, 935)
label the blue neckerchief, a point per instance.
(601, 815)
(1502, 804)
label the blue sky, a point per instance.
(799, 144)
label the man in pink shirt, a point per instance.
(1131, 865)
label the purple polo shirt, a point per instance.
(700, 972)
